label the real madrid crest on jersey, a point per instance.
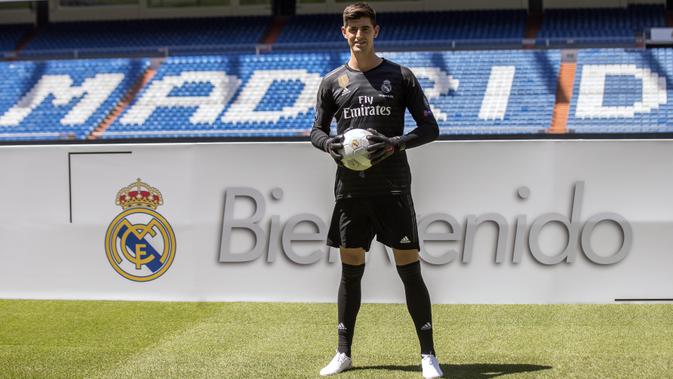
(386, 87)
(140, 243)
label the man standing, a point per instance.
(373, 93)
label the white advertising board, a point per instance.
(661, 35)
(501, 222)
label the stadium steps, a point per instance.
(564, 91)
(273, 31)
(25, 39)
(533, 25)
(119, 108)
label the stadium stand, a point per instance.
(622, 91)
(150, 33)
(414, 26)
(472, 92)
(61, 99)
(274, 94)
(611, 25)
(10, 35)
(189, 95)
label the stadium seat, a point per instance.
(177, 33)
(605, 25)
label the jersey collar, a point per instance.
(351, 69)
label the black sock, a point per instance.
(418, 304)
(348, 304)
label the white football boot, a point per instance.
(340, 362)
(430, 366)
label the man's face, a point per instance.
(360, 34)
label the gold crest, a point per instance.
(343, 81)
(140, 243)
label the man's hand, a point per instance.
(333, 145)
(382, 147)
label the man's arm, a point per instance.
(427, 129)
(324, 112)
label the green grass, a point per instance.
(103, 339)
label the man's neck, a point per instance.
(364, 62)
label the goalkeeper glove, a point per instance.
(382, 147)
(332, 146)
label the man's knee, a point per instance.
(405, 257)
(352, 256)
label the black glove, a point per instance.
(332, 146)
(382, 147)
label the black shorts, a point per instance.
(392, 219)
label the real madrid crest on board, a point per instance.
(140, 243)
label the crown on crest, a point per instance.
(139, 194)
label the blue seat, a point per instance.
(605, 25)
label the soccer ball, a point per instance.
(355, 155)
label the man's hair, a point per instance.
(357, 11)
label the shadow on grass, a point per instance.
(475, 370)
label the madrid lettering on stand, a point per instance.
(221, 105)
(526, 238)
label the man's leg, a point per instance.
(350, 226)
(418, 304)
(418, 298)
(348, 304)
(349, 297)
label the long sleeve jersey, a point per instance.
(375, 99)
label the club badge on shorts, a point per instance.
(140, 243)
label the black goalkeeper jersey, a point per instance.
(375, 99)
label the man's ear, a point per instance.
(377, 29)
(343, 32)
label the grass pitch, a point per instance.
(103, 339)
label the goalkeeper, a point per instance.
(373, 93)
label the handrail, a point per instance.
(382, 45)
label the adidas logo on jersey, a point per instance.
(427, 326)
(405, 240)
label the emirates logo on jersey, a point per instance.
(366, 108)
(364, 111)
